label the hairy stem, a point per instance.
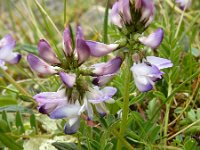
(125, 110)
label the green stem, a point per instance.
(79, 142)
(125, 143)
(183, 130)
(105, 28)
(168, 104)
(179, 24)
(65, 10)
(12, 81)
(125, 99)
(48, 17)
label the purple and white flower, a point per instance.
(147, 9)
(67, 42)
(40, 66)
(102, 80)
(68, 79)
(84, 48)
(47, 53)
(154, 39)
(148, 72)
(98, 49)
(184, 4)
(49, 58)
(120, 13)
(98, 96)
(50, 101)
(56, 106)
(115, 15)
(7, 44)
(109, 67)
(81, 49)
(104, 72)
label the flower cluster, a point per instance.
(139, 14)
(134, 16)
(77, 96)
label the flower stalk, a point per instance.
(125, 110)
(168, 104)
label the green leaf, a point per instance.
(154, 134)
(190, 145)
(159, 95)
(195, 52)
(9, 142)
(25, 98)
(4, 126)
(65, 146)
(136, 99)
(5, 118)
(198, 113)
(133, 135)
(29, 48)
(103, 122)
(14, 108)
(109, 146)
(7, 100)
(151, 110)
(191, 115)
(95, 144)
(19, 122)
(33, 122)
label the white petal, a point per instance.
(161, 63)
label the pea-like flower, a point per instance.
(45, 64)
(148, 72)
(40, 66)
(120, 13)
(81, 49)
(97, 97)
(85, 48)
(104, 72)
(184, 4)
(147, 10)
(124, 12)
(7, 44)
(66, 104)
(154, 39)
(98, 49)
(56, 106)
(68, 79)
